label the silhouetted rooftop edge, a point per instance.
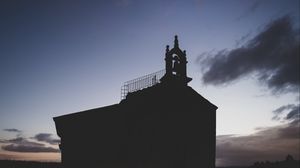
(140, 93)
(86, 112)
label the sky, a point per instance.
(62, 56)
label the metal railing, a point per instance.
(141, 83)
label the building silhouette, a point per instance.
(160, 122)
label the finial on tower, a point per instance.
(176, 42)
(167, 48)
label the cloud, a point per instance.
(12, 130)
(45, 137)
(283, 108)
(270, 143)
(26, 148)
(21, 144)
(290, 112)
(272, 56)
(251, 9)
(21, 141)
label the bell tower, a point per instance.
(175, 60)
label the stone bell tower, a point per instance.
(175, 60)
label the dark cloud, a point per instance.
(268, 143)
(283, 108)
(26, 148)
(45, 137)
(272, 56)
(271, 143)
(293, 114)
(290, 112)
(291, 131)
(12, 130)
(21, 144)
(14, 140)
(22, 141)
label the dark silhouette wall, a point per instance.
(166, 125)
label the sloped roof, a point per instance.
(152, 92)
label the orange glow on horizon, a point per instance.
(41, 157)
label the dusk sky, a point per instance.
(64, 56)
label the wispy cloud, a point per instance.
(288, 112)
(46, 137)
(272, 56)
(251, 9)
(12, 130)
